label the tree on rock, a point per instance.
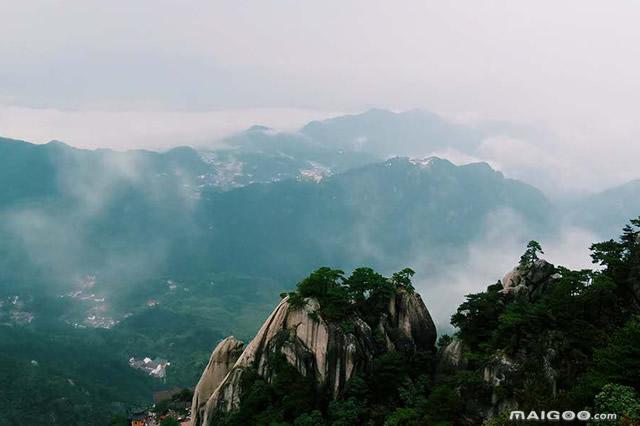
(531, 254)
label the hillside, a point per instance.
(103, 246)
(380, 214)
(359, 350)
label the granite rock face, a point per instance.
(222, 359)
(526, 285)
(452, 356)
(318, 349)
(531, 282)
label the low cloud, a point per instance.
(71, 235)
(486, 260)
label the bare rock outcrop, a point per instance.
(222, 359)
(408, 323)
(498, 373)
(328, 352)
(525, 285)
(452, 357)
(531, 282)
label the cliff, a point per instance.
(327, 352)
(222, 359)
(360, 349)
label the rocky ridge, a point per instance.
(326, 351)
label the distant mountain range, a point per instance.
(385, 133)
(606, 212)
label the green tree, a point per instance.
(402, 279)
(443, 405)
(621, 262)
(620, 400)
(363, 282)
(403, 416)
(531, 254)
(119, 421)
(169, 421)
(479, 316)
(444, 341)
(618, 361)
(310, 419)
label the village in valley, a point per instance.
(170, 408)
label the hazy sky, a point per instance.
(146, 73)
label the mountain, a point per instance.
(360, 350)
(380, 214)
(113, 218)
(36, 172)
(385, 133)
(549, 336)
(262, 155)
(335, 145)
(319, 339)
(607, 211)
(67, 213)
(112, 255)
(107, 256)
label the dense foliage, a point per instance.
(574, 346)
(394, 379)
(575, 342)
(365, 292)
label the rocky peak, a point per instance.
(328, 352)
(529, 282)
(223, 358)
(410, 322)
(526, 284)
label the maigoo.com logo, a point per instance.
(558, 416)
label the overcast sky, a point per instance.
(127, 74)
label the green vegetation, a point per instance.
(182, 329)
(291, 399)
(169, 421)
(531, 254)
(575, 342)
(395, 378)
(619, 399)
(74, 377)
(365, 293)
(575, 345)
(177, 403)
(137, 220)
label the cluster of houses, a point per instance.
(154, 367)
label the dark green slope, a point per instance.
(379, 214)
